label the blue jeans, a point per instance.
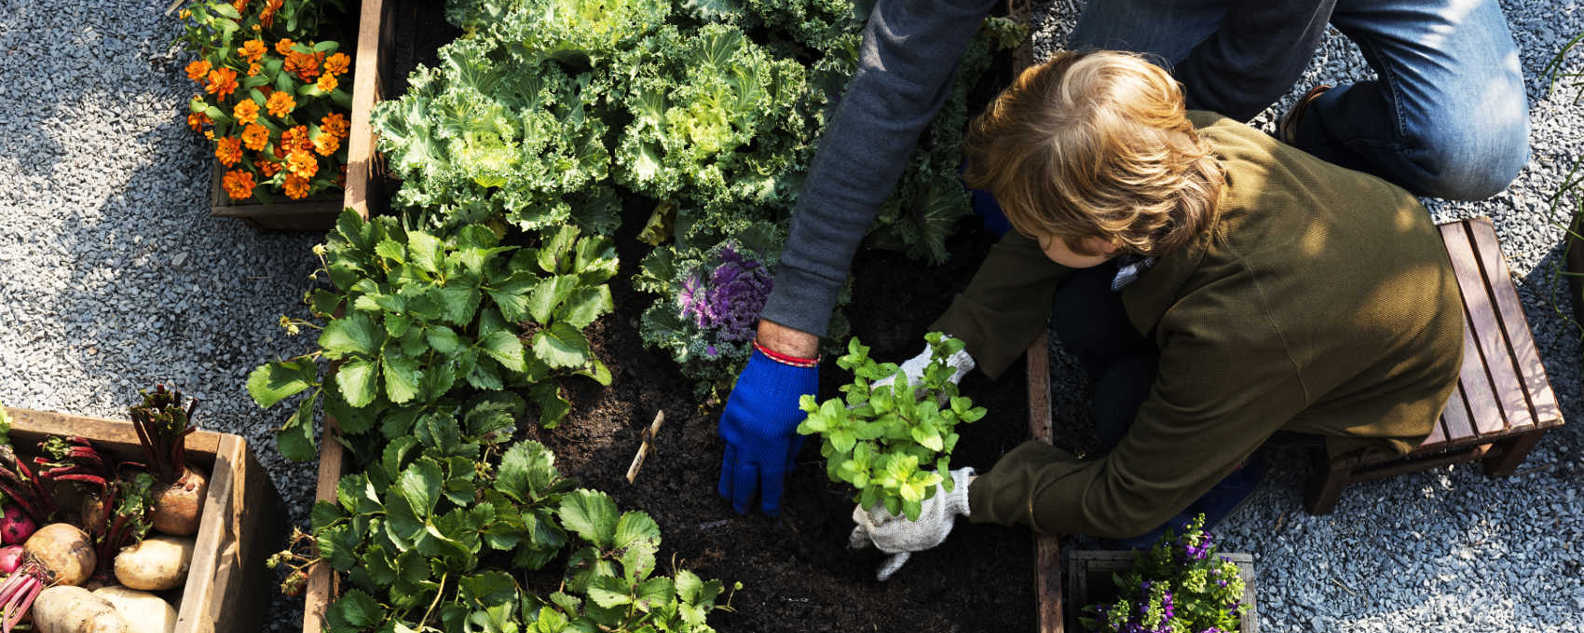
(1447, 117)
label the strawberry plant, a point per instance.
(410, 317)
(435, 535)
(883, 440)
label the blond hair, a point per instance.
(1096, 144)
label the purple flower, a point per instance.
(728, 299)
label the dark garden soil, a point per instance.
(796, 570)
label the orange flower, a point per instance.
(197, 120)
(296, 187)
(327, 82)
(253, 50)
(301, 163)
(239, 5)
(222, 82)
(267, 167)
(246, 111)
(229, 150)
(284, 46)
(338, 64)
(238, 184)
(335, 123)
(326, 144)
(280, 104)
(255, 136)
(305, 65)
(197, 70)
(209, 134)
(253, 69)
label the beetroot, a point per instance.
(10, 558)
(16, 526)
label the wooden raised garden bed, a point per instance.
(1089, 581)
(228, 587)
(314, 214)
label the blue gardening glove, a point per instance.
(760, 429)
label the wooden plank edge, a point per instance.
(1047, 548)
(1514, 322)
(360, 140)
(214, 535)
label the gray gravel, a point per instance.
(113, 276)
(1447, 550)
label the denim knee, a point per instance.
(1471, 155)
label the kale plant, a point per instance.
(411, 317)
(883, 439)
(1179, 584)
(707, 311)
(575, 31)
(437, 533)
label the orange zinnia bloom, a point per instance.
(301, 163)
(238, 184)
(197, 70)
(197, 120)
(305, 65)
(209, 134)
(229, 150)
(267, 167)
(253, 50)
(284, 46)
(338, 64)
(255, 136)
(239, 5)
(326, 144)
(222, 82)
(296, 187)
(327, 82)
(253, 69)
(246, 111)
(280, 104)
(335, 123)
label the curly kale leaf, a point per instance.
(475, 139)
(567, 30)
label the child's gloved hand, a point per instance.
(899, 537)
(960, 362)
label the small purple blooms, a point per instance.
(729, 301)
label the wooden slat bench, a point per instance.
(1503, 402)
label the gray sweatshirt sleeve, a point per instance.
(910, 49)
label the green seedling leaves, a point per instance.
(591, 515)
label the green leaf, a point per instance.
(355, 609)
(419, 485)
(585, 305)
(561, 346)
(272, 382)
(927, 437)
(458, 305)
(609, 592)
(553, 404)
(353, 334)
(527, 472)
(402, 377)
(512, 296)
(636, 527)
(443, 339)
(392, 250)
(425, 251)
(505, 348)
(548, 294)
(591, 515)
(296, 442)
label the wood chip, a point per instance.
(643, 447)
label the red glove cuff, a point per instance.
(786, 359)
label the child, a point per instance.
(1217, 284)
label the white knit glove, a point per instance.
(899, 537)
(913, 368)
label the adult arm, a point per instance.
(1261, 48)
(1221, 391)
(909, 52)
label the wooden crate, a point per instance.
(228, 587)
(313, 214)
(1089, 580)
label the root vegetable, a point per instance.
(10, 558)
(65, 609)
(64, 551)
(16, 526)
(178, 506)
(156, 564)
(144, 612)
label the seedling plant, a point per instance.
(1178, 584)
(883, 440)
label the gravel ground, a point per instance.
(1449, 549)
(113, 276)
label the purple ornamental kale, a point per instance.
(729, 301)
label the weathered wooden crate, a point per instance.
(313, 214)
(228, 587)
(1089, 580)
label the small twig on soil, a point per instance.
(1280, 521)
(643, 447)
(173, 5)
(1344, 587)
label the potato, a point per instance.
(64, 550)
(68, 609)
(156, 564)
(144, 612)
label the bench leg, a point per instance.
(1325, 486)
(1512, 453)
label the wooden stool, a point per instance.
(1503, 402)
